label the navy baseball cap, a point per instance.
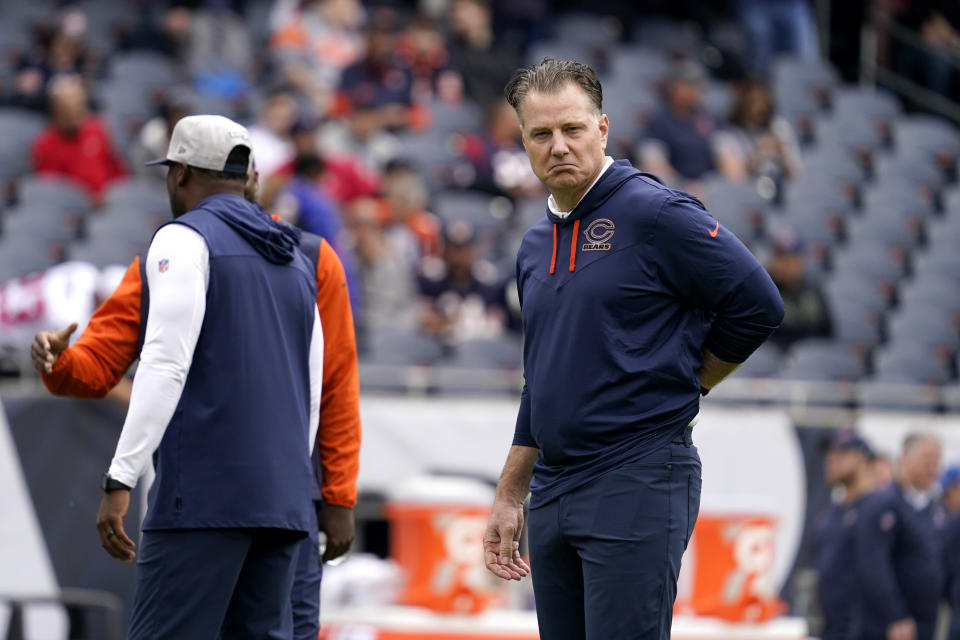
(847, 440)
(950, 477)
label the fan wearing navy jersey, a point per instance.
(950, 488)
(898, 559)
(848, 472)
(635, 300)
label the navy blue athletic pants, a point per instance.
(606, 556)
(305, 597)
(216, 584)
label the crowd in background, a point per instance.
(374, 123)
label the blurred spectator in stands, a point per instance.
(757, 142)
(218, 51)
(778, 27)
(315, 42)
(950, 490)
(165, 33)
(386, 260)
(937, 22)
(374, 102)
(77, 144)
(56, 50)
(678, 143)
(461, 299)
(848, 472)
(377, 90)
(272, 144)
(806, 314)
(499, 161)
(303, 201)
(344, 178)
(154, 136)
(484, 63)
(899, 566)
(422, 49)
(405, 198)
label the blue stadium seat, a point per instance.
(49, 224)
(673, 37)
(738, 207)
(446, 118)
(823, 360)
(403, 349)
(588, 29)
(765, 362)
(18, 257)
(483, 210)
(925, 323)
(502, 353)
(54, 192)
(882, 109)
(18, 128)
(105, 250)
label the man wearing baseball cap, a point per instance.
(225, 400)
(847, 467)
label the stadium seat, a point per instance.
(18, 258)
(143, 70)
(18, 128)
(481, 209)
(939, 260)
(436, 156)
(45, 223)
(818, 359)
(932, 137)
(738, 207)
(52, 191)
(925, 323)
(138, 195)
(673, 37)
(639, 67)
(588, 29)
(853, 103)
(906, 365)
(765, 362)
(815, 81)
(446, 119)
(502, 353)
(106, 250)
(403, 349)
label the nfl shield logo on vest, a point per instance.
(598, 234)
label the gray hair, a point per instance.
(550, 76)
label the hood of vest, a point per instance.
(608, 184)
(275, 241)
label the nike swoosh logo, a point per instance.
(713, 234)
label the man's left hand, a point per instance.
(337, 522)
(113, 508)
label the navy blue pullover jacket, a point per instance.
(836, 582)
(618, 301)
(235, 453)
(898, 563)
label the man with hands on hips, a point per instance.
(635, 301)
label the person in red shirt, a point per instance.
(77, 144)
(96, 362)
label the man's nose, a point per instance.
(559, 145)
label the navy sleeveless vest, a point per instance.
(236, 452)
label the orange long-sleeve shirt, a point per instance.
(109, 345)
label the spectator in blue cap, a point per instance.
(806, 314)
(848, 468)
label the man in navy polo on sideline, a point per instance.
(898, 559)
(950, 490)
(226, 400)
(848, 469)
(635, 301)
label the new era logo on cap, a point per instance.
(205, 142)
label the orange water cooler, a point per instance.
(436, 534)
(728, 567)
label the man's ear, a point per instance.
(182, 174)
